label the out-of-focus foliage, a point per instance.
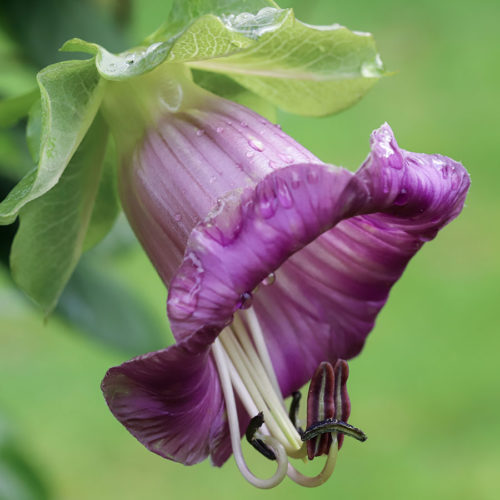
(19, 480)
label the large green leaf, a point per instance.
(71, 94)
(53, 227)
(303, 69)
(185, 11)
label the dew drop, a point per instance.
(250, 154)
(200, 132)
(402, 198)
(455, 179)
(312, 177)
(445, 171)
(177, 217)
(255, 144)
(229, 122)
(219, 130)
(386, 187)
(244, 124)
(245, 301)
(271, 164)
(212, 179)
(269, 279)
(286, 158)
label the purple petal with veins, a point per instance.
(220, 198)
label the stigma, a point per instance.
(245, 368)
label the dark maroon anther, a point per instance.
(320, 406)
(254, 425)
(342, 402)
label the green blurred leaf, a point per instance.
(15, 160)
(15, 108)
(53, 228)
(19, 480)
(107, 310)
(302, 69)
(71, 93)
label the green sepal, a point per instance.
(71, 93)
(106, 205)
(53, 227)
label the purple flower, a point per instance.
(274, 261)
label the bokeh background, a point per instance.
(426, 388)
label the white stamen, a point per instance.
(322, 477)
(234, 429)
(260, 343)
(244, 364)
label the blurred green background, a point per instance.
(426, 388)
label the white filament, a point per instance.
(322, 477)
(248, 370)
(234, 430)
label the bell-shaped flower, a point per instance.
(274, 262)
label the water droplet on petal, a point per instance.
(402, 198)
(256, 144)
(312, 176)
(244, 124)
(455, 179)
(200, 132)
(212, 179)
(269, 279)
(250, 154)
(271, 164)
(385, 184)
(219, 130)
(245, 301)
(286, 158)
(445, 171)
(177, 217)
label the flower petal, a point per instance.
(340, 241)
(171, 401)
